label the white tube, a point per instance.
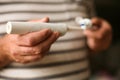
(24, 27)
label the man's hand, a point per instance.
(28, 47)
(99, 37)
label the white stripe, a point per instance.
(34, 73)
(80, 76)
(63, 57)
(2, 28)
(71, 23)
(41, 7)
(72, 35)
(68, 45)
(31, 16)
(56, 58)
(45, 1)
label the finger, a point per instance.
(51, 39)
(34, 38)
(99, 32)
(27, 59)
(46, 19)
(104, 30)
(99, 22)
(44, 47)
(26, 51)
(89, 33)
(105, 26)
(96, 20)
(92, 32)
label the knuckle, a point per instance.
(13, 53)
(30, 41)
(35, 50)
(38, 50)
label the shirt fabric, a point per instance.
(67, 59)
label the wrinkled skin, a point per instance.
(28, 47)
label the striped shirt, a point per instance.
(67, 58)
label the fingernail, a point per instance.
(57, 34)
(46, 19)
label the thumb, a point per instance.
(46, 19)
(88, 33)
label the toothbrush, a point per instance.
(24, 27)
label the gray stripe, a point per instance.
(31, 2)
(48, 65)
(64, 11)
(2, 34)
(2, 23)
(51, 77)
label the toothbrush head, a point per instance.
(84, 23)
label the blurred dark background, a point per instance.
(109, 60)
(110, 10)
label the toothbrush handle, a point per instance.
(24, 27)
